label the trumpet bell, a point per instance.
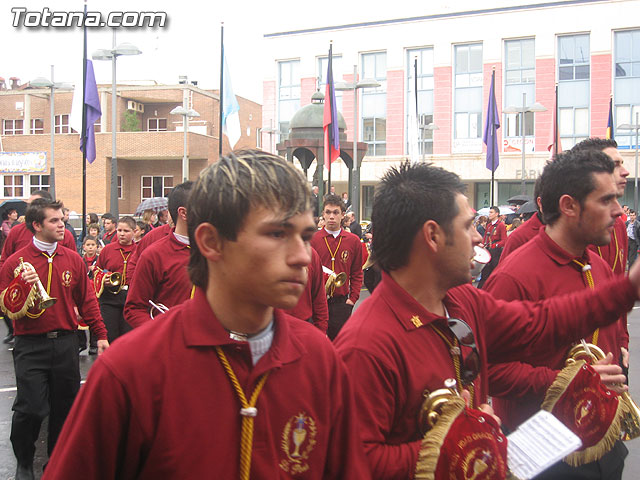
(341, 279)
(431, 408)
(47, 302)
(113, 282)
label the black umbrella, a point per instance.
(519, 199)
(529, 207)
(19, 205)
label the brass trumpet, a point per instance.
(431, 408)
(335, 280)
(113, 282)
(43, 298)
(630, 422)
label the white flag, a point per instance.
(230, 109)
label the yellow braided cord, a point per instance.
(193, 291)
(456, 363)
(124, 266)
(246, 432)
(592, 284)
(333, 254)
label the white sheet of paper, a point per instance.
(538, 443)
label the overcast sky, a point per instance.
(189, 44)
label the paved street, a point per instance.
(7, 394)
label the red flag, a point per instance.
(330, 118)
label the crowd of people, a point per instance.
(239, 292)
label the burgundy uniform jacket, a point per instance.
(346, 252)
(159, 404)
(394, 355)
(495, 235)
(615, 254)
(113, 258)
(161, 276)
(522, 235)
(313, 301)
(154, 235)
(69, 285)
(542, 269)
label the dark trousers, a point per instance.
(339, 313)
(48, 379)
(608, 467)
(632, 250)
(488, 268)
(112, 311)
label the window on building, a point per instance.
(62, 124)
(374, 103)
(120, 186)
(468, 92)
(519, 79)
(573, 89)
(424, 96)
(38, 182)
(337, 76)
(626, 85)
(37, 126)
(12, 127)
(13, 186)
(153, 186)
(288, 94)
(157, 125)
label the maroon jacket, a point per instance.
(615, 254)
(69, 285)
(113, 257)
(522, 235)
(20, 236)
(154, 235)
(150, 427)
(348, 259)
(313, 301)
(161, 276)
(393, 354)
(495, 235)
(549, 271)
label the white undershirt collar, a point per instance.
(181, 238)
(335, 233)
(44, 246)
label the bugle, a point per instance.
(335, 280)
(20, 296)
(431, 408)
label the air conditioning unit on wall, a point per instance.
(131, 105)
(140, 107)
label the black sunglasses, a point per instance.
(471, 364)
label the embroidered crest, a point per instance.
(416, 321)
(66, 278)
(298, 439)
(344, 256)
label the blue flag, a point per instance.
(492, 124)
(92, 105)
(330, 118)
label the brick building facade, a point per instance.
(149, 154)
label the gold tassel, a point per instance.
(434, 438)
(597, 451)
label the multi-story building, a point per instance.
(589, 48)
(149, 139)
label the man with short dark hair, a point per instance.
(273, 398)
(160, 274)
(109, 225)
(20, 236)
(340, 252)
(495, 236)
(68, 226)
(633, 234)
(399, 344)
(46, 347)
(578, 197)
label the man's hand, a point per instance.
(611, 374)
(102, 346)
(29, 275)
(349, 302)
(625, 357)
(485, 407)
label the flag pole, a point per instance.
(221, 86)
(327, 147)
(83, 133)
(555, 127)
(493, 170)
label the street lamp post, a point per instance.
(113, 54)
(46, 83)
(186, 113)
(536, 107)
(355, 187)
(636, 127)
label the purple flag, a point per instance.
(92, 104)
(492, 124)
